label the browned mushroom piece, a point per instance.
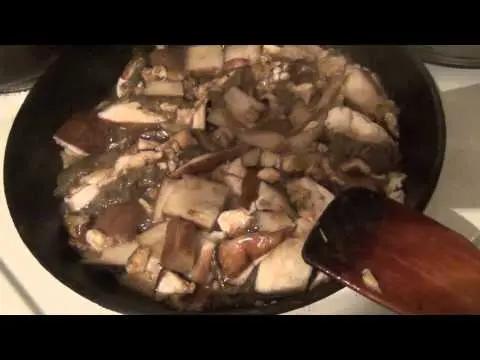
(120, 221)
(309, 198)
(144, 281)
(234, 221)
(204, 60)
(170, 284)
(362, 90)
(270, 199)
(208, 162)
(197, 200)
(237, 56)
(284, 270)
(353, 135)
(236, 255)
(266, 221)
(83, 134)
(114, 256)
(300, 115)
(267, 140)
(181, 246)
(269, 175)
(172, 58)
(244, 108)
(163, 88)
(249, 188)
(202, 272)
(130, 113)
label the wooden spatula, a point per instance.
(395, 256)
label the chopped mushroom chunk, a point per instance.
(233, 221)
(131, 112)
(237, 56)
(309, 198)
(181, 246)
(284, 270)
(269, 199)
(243, 107)
(236, 255)
(197, 200)
(170, 283)
(204, 60)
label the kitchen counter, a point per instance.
(52, 297)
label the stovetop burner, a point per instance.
(22, 65)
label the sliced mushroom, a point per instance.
(236, 168)
(170, 284)
(364, 92)
(237, 56)
(197, 200)
(234, 185)
(164, 88)
(172, 58)
(154, 237)
(394, 187)
(269, 159)
(184, 139)
(357, 166)
(267, 140)
(81, 198)
(199, 117)
(131, 76)
(137, 263)
(352, 135)
(332, 64)
(129, 113)
(97, 241)
(120, 221)
(235, 221)
(146, 280)
(251, 158)
(270, 199)
(223, 137)
(299, 116)
(202, 271)
(355, 125)
(304, 92)
(217, 116)
(250, 188)
(243, 107)
(273, 221)
(114, 256)
(309, 198)
(303, 141)
(166, 189)
(236, 255)
(294, 163)
(269, 175)
(82, 134)
(284, 270)
(207, 162)
(181, 246)
(244, 277)
(204, 60)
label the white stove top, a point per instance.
(52, 297)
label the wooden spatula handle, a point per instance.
(419, 265)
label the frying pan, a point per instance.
(81, 78)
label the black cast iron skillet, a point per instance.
(80, 79)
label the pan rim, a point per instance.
(286, 304)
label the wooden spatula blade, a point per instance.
(395, 256)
